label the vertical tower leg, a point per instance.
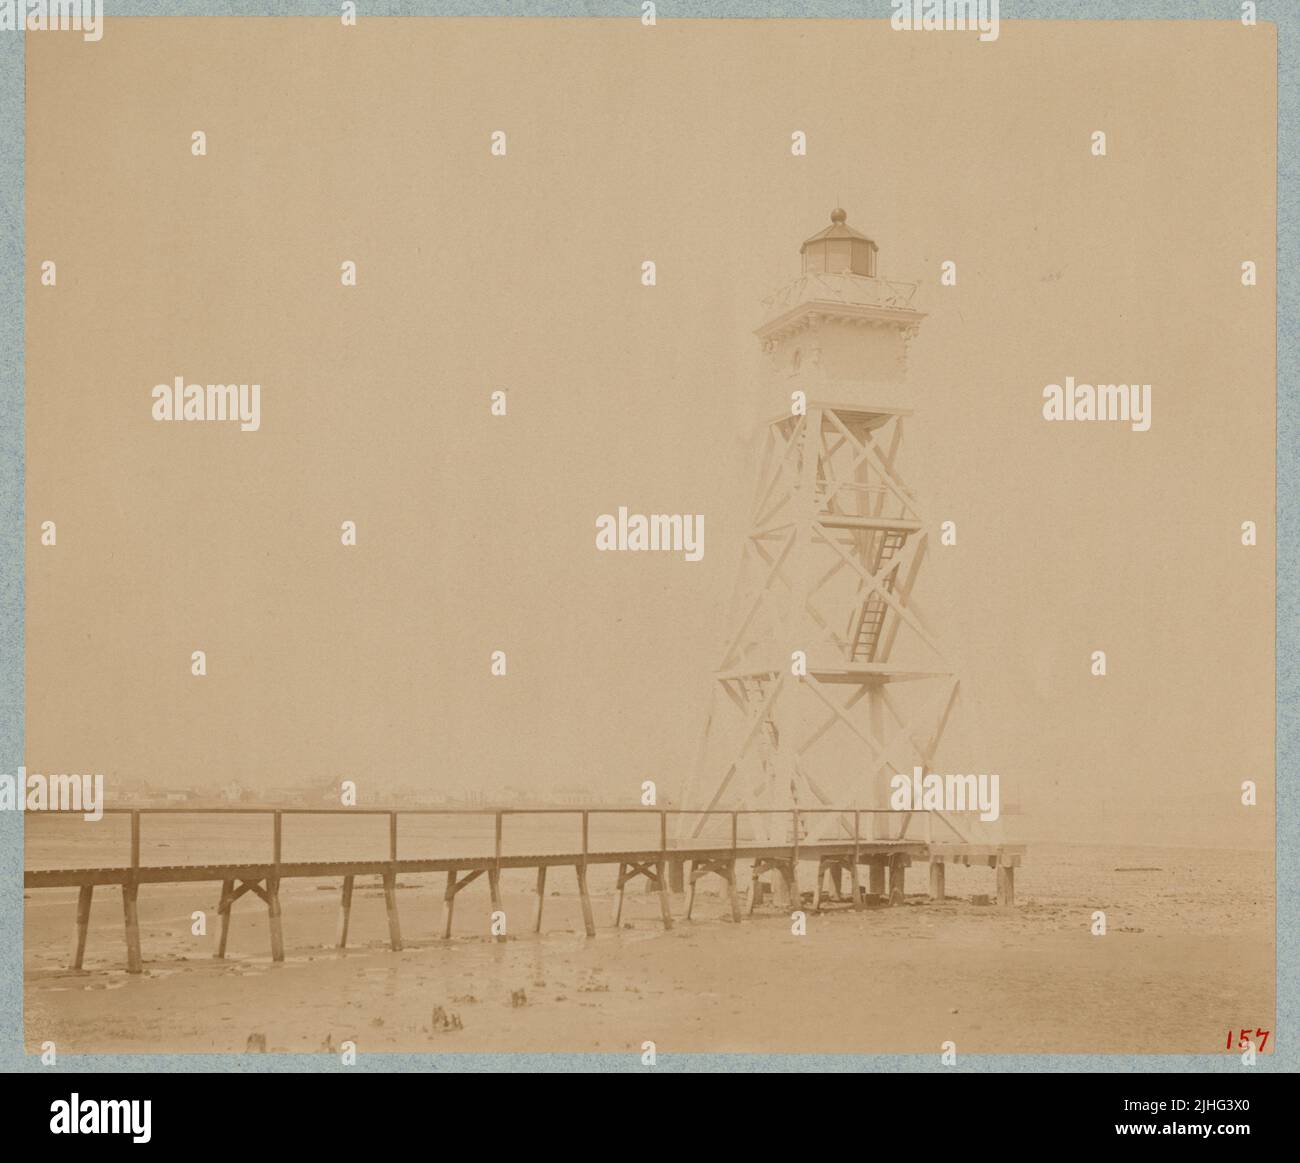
(732, 895)
(880, 824)
(690, 891)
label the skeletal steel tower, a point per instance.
(830, 682)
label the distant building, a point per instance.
(134, 790)
(330, 792)
(575, 795)
(286, 795)
(431, 799)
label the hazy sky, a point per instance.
(479, 273)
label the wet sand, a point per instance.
(1189, 954)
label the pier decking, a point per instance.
(668, 866)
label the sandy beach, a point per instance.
(1188, 955)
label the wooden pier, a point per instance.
(666, 867)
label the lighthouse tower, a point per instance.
(830, 682)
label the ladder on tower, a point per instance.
(870, 618)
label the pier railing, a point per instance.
(785, 843)
(785, 827)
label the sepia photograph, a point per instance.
(618, 538)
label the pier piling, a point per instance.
(588, 921)
(345, 912)
(273, 917)
(541, 898)
(130, 914)
(1006, 885)
(936, 880)
(390, 907)
(83, 923)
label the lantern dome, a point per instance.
(839, 250)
